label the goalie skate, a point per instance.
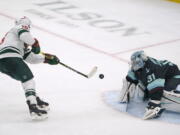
(153, 110)
(153, 113)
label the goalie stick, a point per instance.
(91, 73)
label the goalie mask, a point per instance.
(138, 60)
(23, 22)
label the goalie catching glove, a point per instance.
(51, 59)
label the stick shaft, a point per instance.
(78, 72)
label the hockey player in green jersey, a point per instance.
(19, 46)
(158, 80)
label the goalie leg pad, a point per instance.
(131, 92)
(126, 88)
(171, 101)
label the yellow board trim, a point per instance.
(177, 1)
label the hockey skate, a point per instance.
(153, 111)
(42, 105)
(36, 113)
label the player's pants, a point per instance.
(19, 70)
(171, 84)
(16, 68)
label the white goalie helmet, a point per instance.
(24, 22)
(138, 60)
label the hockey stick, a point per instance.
(91, 73)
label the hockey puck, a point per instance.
(101, 76)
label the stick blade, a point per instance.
(92, 72)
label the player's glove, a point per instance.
(51, 59)
(35, 47)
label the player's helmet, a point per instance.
(25, 22)
(138, 60)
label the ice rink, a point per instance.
(84, 34)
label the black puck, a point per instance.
(101, 76)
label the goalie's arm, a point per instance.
(131, 77)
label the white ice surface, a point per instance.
(76, 103)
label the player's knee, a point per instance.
(26, 77)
